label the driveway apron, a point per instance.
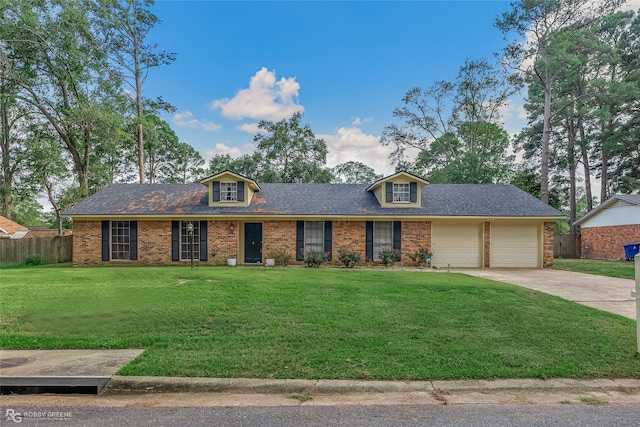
(604, 293)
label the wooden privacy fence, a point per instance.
(566, 246)
(52, 250)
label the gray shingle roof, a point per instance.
(312, 199)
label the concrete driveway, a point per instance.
(603, 293)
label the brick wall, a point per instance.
(415, 234)
(279, 236)
(87, 242)
(607, 242)
(348, 235)
(547, 255)
(487, 244)
(154, 241)
(222, 241)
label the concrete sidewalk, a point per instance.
(604, 293)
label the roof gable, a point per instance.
(402, 175)
(9, 227)
(228, 175)
(615, 201)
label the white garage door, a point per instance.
(514, 246)
(456, 245)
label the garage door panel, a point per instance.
(515, 246)
(456, 245)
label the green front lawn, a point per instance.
(620, 269)
(313, 323)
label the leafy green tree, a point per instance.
(537, 22)
(292, 151)
(480, 156)
(455, 125)
(70, 88)
(354, 173)
(48, 168)
(186, 165)
(128, 23)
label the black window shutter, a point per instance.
(397, 235)
(203, 241)
(300, 241)
(327, 239)
(133, 240)
(389, 192)
(240, 188)
(216, 191)
(369, 241)
(175, 240)
(413, 192)
(105, 240)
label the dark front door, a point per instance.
(252, 242)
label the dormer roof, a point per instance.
(397, 176)
(229, 175)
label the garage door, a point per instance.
(456, 245)
(514, 246)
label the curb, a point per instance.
(122, 385)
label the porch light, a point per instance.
(190, 232)
(231, 227)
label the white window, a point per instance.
(401, 193)
(228, 192)
(120, 240)
(185, 240)
(382, 238)
(313, 236)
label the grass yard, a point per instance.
(313, 323)
(620, 269)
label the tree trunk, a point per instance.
(587, 168)
(7, 176)
(571, 158)
(140, 135)
(56, 207)
(546, 136)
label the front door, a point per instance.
(253, 242)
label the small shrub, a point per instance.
(389, 256)
(421, 256)
(314, 258)
(281, 258)
(348, 257)
(32, 259)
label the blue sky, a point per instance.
(345, 65)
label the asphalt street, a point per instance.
(352, 416)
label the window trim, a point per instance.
(228, 191)
(379, 247)
(320, 243)
(124, 248)
(401, 192)
(185, 250)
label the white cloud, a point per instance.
(186, 119)
(234, 152)
(358, 121)
(265, 99)
(352, 144)
(251, 128)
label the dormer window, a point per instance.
(228, 192)
(401, 193)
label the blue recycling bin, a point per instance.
(631, 250)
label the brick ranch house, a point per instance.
(233, 217)
(610, 226)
